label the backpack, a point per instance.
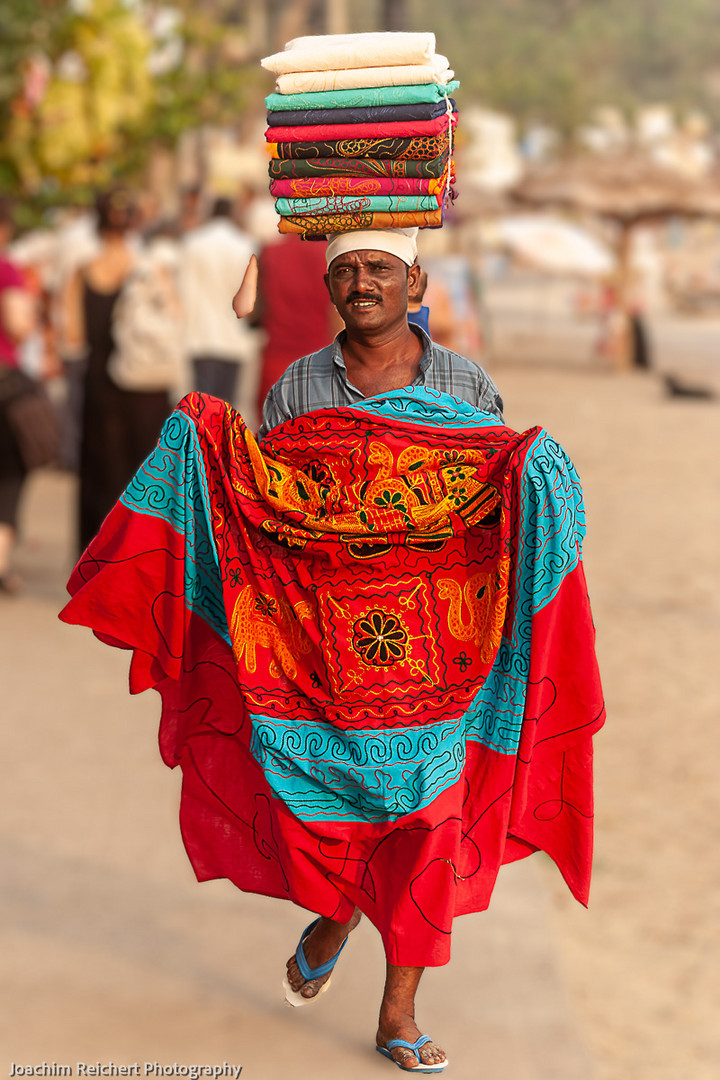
(147, 325)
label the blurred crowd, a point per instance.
(114, 312)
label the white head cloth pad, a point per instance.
(402, 243)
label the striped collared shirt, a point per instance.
(320, 381)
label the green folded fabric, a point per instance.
(358, 167)
(363, 98)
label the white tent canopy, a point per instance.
(549, 243)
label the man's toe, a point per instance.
(430, 1054)
(294, 977)
(310, 988)
(404, 1057)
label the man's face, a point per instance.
(369, 289)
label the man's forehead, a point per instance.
(365, 256)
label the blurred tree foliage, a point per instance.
(79, 103)
(27, 27)
(82, 104)
(217, 79)
(76, 93)
(555, 60)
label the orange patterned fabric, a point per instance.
(319, 225)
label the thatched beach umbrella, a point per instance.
(628, 190)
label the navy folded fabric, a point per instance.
(379, 114)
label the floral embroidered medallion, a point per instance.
(379, 638)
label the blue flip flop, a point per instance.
(294, 997)
(392, 1044)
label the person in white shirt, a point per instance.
(213, 259)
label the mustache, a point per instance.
(362, 296)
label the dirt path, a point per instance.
(642, 962)
(111, 948)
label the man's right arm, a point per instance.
(288, 398)
(277, 407)
(489, 396)
(271, 415)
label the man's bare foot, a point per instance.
(321, 944)
(397, 1021)
(403, 1026)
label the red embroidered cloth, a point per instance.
(374, 649)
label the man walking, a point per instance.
(369, 275)
(371, 634)
(214, 258)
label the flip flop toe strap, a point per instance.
(306, 971)
(394, 1044)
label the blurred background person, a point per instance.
(419, 313)
(17, 324)
(455, 318)
(220, 348)
(35, 254)
(148, 331)
(293, 309)
(77, 241)
(119, 426)
(191, 212)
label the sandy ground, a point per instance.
(642, 962)
(111, 951)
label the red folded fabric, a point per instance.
(402, 129)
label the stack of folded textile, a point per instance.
(360, 133)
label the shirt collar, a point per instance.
(425, 360)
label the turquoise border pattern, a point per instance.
(420, 405)
(324, 774)
(552, 526)
(171, 485)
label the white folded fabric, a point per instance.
(423, 40)
(351, 51)
(308, 82)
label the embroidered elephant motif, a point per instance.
(484, 597)
(269, 622)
